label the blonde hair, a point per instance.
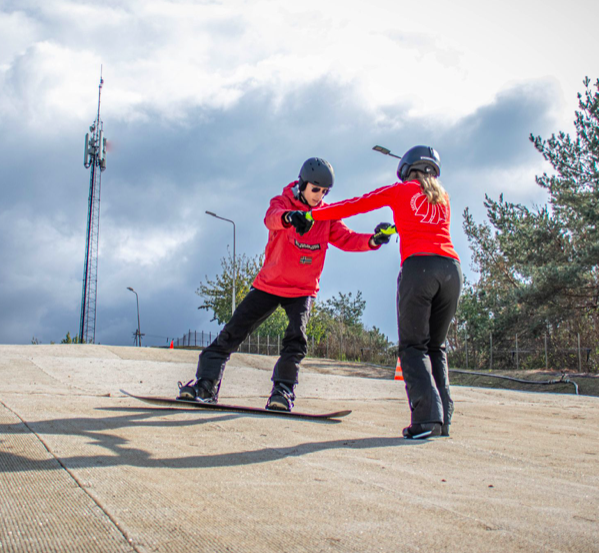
(430, 186)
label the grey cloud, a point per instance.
(164, 176)
(498, 133)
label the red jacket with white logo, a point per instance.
(423, 228)
(293, 264)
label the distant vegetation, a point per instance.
(66, 340)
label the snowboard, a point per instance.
(189, 404)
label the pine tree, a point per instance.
(538, 269)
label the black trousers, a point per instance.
(254, 309)
(428, 291)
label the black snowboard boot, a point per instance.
(422, 431)
(202, 390)
(282, 397)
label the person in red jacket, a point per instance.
(289, 277)
(429, 283)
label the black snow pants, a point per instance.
(428, 291)
(254, 309)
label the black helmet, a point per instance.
(421, 158)
(318, 171)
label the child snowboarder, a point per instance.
(289, 277)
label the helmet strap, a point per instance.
(302, 198)
(298, 189)
(301, 188)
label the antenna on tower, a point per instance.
(94, 158)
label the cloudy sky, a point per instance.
(214, 105)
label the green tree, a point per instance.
(346, 309)
(318, 323)
(347, 337)
(217, 293)
(68, 340)
(573, 188)
(538, 269)
(275, 325)
(316, 329)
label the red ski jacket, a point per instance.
(423, 228)
(293, 264)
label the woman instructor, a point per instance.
(429, 283)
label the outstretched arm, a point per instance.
(348, 240)
(346, 208)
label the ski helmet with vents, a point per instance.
(420, 158)
(316, 171)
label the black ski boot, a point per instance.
(282, 397)
(202, 390)
(422, 431)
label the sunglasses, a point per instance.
(316, 190)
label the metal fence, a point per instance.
(195, 339)
(345, 348)
(523, 354)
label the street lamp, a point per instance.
(138, 334)
(233, 288)
(385, 151)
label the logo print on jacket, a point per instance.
(429, 213)
(311, 247)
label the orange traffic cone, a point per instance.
(398, 375)
(171, 346)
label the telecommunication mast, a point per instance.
(94, 158)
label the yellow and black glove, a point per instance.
(382, 234)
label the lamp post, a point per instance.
(138, 335)
(233, 280)
(385, 151)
